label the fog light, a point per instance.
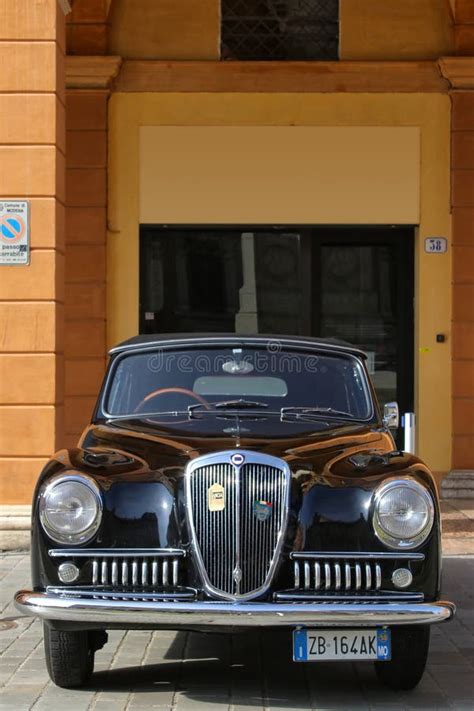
(402, 578)
(68, 572)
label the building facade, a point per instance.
(296, 167)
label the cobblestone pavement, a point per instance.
(184, 671)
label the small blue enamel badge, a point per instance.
(262, 510)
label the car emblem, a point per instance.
(216, 497)
(237, 459)
(262, 510)
(237, 574)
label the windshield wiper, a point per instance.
(316, 411)
(229, 405)
(146, 415)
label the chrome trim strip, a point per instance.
(337, 572)
(392, 596)
(88, 593)
(225, 457)
(237, 573)
(242, 340)
(174, 615)
(321, 555)
(115, 552)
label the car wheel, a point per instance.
(69, 656)
(409, 653)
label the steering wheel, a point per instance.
(165, 391)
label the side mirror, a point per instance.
(391, 415)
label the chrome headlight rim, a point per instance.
(392, 541)
(72, 538)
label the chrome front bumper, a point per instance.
(176, 615)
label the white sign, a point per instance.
(14, 232)
(436, 245)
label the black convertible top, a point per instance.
(161, 339)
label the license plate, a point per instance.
(341, 645)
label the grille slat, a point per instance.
(348, 576)
(327, 575)
(317, 576)
(114, 572)
(237, 543)
(368, 576)
(378, 576)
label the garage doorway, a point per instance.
(353, 283)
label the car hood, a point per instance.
(131, 450)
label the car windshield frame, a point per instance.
(302, 347)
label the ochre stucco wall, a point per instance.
(462, 163)
(165, 29)
(86, 199)
(32, 160)
(430, 113)
(280, 174)
(395, 29)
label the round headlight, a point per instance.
(70, 508)
(403, 513)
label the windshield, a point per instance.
(251, 378)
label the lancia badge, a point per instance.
(237, 574)
(262, 510)
(216, 497)
(237, 459)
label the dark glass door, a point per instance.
(350, 283)
(365, 296)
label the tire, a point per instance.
(409, 654)
(69, 657)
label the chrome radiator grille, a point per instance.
(124, 568)
(345, 573)
(140, 571)
(237, 544)
(333, 575)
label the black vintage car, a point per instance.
(228, 482)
